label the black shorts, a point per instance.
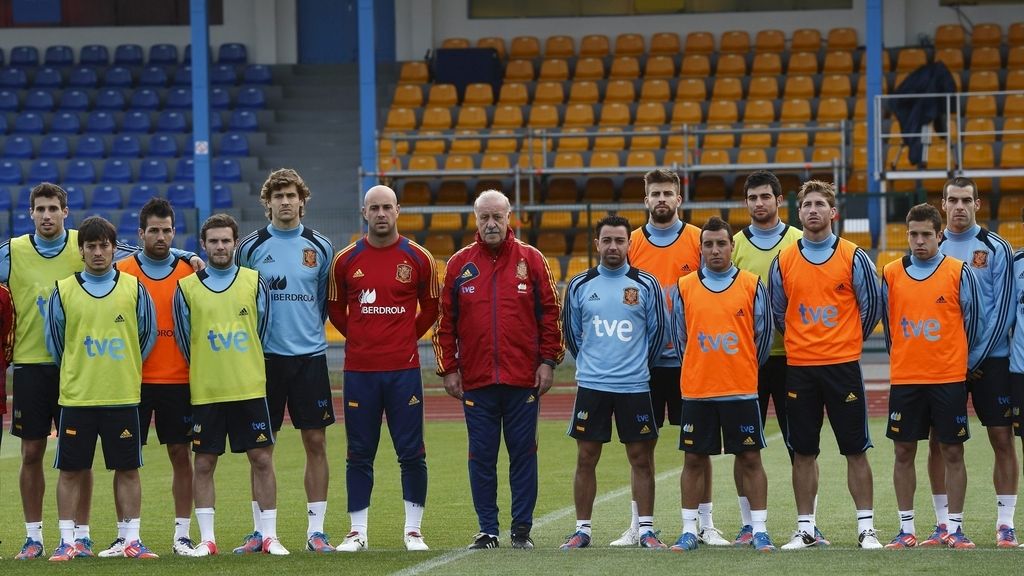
(1017, 398)
(838, 388)
(708, 424)
(245, 422)
(170, 403)
(665, 394)
(117, 429)
(991, 394)
(771, 385)
(303, 383)
(914, 409)
(36, 389)
(592, 416)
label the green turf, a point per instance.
(450, 523)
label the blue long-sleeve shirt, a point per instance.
(865, 284)
(970, 307)
(296, 265)
(991, 259)
(1017, 334)
(615, 325)
(99, 286)
(217, 280)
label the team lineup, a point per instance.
(699, 327)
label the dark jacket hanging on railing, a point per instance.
(915, 113)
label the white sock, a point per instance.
(131, 533)
(941, 504)
(204, 517)
(690, 521)
(359, 520)
(256, 517)
(182, 527)
(745, 511)
(67, 531)
(759, 520)
(646, 524)
(583, 526)
(34, 530)
(907, 522)
(1005, 507)
(315, 512)
(634, 519)
(81, 531)
(805, 522)
(413, 517)
(268, 523)
(865, 520)
(956, 522)
(122, 527)
(815, 509)
(704, 511)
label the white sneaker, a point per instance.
(800, 541)
(713, 537)
(631, 537)
(868, 540)
(354, 542)
(183, 547)
(414, 542)
(116, 549)
(205, 548)
(274, 547)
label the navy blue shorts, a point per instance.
(991, 393)
(246, 423)
(35, 411)
(593, 410)
(838, 388)
(707, 425)
(116, 428)
(914, 409)
(301, 382)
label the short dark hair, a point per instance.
(960, 182)
(219, 221)
(96, 228)
(47, 190)
(925, 213)
(714, 224)
(155, 207)
(826, 189)
(613, 221)
(662, 176)
(760, 178)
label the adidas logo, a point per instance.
(962, 432)
(125, 434)
(327, 415)
(646, 429)
(467, 274)
(851, 397)
(414, 401)
(594, 298)
(791, 394)
(1021, 276)
(740, 312)
(686, 268)
(940, 300)
(119, 318)
(261, 438)
(269, 259)
(688, 428)
(358, 273)
(243, 312)
(310, 512)
(531, 399)
(749, 441)
(841, 286)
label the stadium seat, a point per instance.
(542, 116)
(731, 65)
(805, 40)
(726, 88)
(622, 91)
(23, 199)
(13, 78)
(182, 76)
(74, 100)
(181, 196)
(234, 144)
(722, 112)
(9, 102)
(795, 110)
(832, 110)
(659, 67)
(145, 99)
(106, 197)
(507, 116)
(163, 55)
(232, 53)
(579, 115)
(980, 107)
(126, 146)
(227, 170)
(953, 58)
(686, 112)
(553, 70)
(583, 92)
(655, 90)
(526, 47)
(223, 74)
(222, 197)
(986, 34)
(589, 68)
(436, 118)
(910, 59)
(128, 224)
(42, 171)
(479, 94)
(629, 44)
(979, 130)
(162, 146)
(519, 71)
(133, 121)
(1015, 58)
(842, 39)
(128, 55)
(10, 172)
(546, 93)
(718, 140)
(559, 46)
(28, 123)
(76, 198)
(408, 96)
(110, 99)
(983, 81)
(47, 78)
(949, 36)
(243, 121)
(799, 87)
(54, 146)
(140, 194)
(734, 42)
(513, 93)
(94, 55)
(614, 114)
(594, 46)
(838, 63)
(802, 63)
(153, 171)
(1016, 124)
(650, 114)
(1015, 34)
(251, 97)
(90, 146)
(769, 41)
(695, 66)
(624, 68)
(665, 43)
(257, 74)
(80, 172)
(179, 98)
(220, 99)
(766, 64)
(414, 73)
(18, 147)
(153, 76)
(25, 56)
(117, 77)
(699, 43)
(759, 112)
(21, 224)
(495, 42)
(835, 86)
(184, 170)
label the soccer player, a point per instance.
(668, 248)
(991, 258)
(721, 321)
(99, 330)
(295, 261)
(6, 346)
(498, 340)
(30, 264)
(220, 319)
(934, 331)
(825, 301)
(165, 373)
(1017, 345)
(614, 323)
(376, 284)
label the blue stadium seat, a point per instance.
(153, 171)
(18, 147)
(153, 76)
(83, 77)
(128, 224)
(66, 123)
(243, 121)
(80, 172)
(220, 99)
(48, 78)
(189, 243)
(110, 99)
(25, 56)
(28, 123)
(23, 199)
(126, 146)
(1, 56)
(140, 194)
(10, 172)
(39, 100)
(116, 170)
(163, 54)
(76, 197)
(216, 123)
(106, 197)
(184, 170)
(136, 122)
(251, 97)
(128, 55)
(9, 101)
(105, 214)
(76, 100)
(144, 99)
(21, 224)
(43, 171)
(181, 196)
(100, 122)
(13, 78)
(183, 76)
(118, 76)
(61, 55)
(94, 55)
(232, 53)
(223, 74)
(163, 146)
(3, 124)
(91, 146)
(257, 74)
(227, 170)
(179, 98)
(171, 121)
(5, 198)
(222, 196)
(234, 144)
(54, 146)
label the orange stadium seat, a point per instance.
(1015, 58)
(440, 245)
(910, 59)
(436, 118)
(415, 192)
(763, 88)
(953, 58)
(495, 162)
(543, 116)
(1015, 34)
(699, 43)
(442, 95)
(554, 69)
(400, 119)
(391, 147)
(1012, 157)
(727, 88)
(513, 93)
(675, 157)
(507, 116)
(1010, 205)
(552, 243)
(572, 143)
(1015, 124)
(731, 65)
(422, 163)
(835, 86)
(770, 41)
(983, 81)
(766, 64)
(795, 110)
(495, 42)
(610, 140)
(479, 94)
(806, 40)
(802, 63)
(525, 47)
(594, 46)
(691, 89)
(583, 92)
(589, 68)
(559, 47)
(949, 36)
(842, 39)
(1013, 105)
(979, 130)
(549, 93)
(795, 138)
(722, 112)
(665, 43)
(578, 264)
(986, 34)
(629, 44)
(615, 114)
(519, 71)
(414, 73)
(445, 221)
(687, 112)
(759, 111)
(640, 158)
(979, 155)
(645, 141)
(408, 96)
(659, 67)
(430, 147)
(756, 139)
(604, 160)
(695, 66)
(719, 140)
(502, 145)
(752, 156)
(455, 43)
(1015, 79)
(579, 115)
(980, 107)
(799, 87)
(472, 117)
(624, 68)
(860, 109)
(655, 90)
(839, 62)
(619, 91)
(734, 42)
(790, 155)
(985, 58)
(832, 110)
(466, 143)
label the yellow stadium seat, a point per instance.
(770, 41)
(842, 39)
(795, 110)
(1013, 124)
(790, 155)
(589, 69)
(665, 43)
(658, 67)
(719, 140)
(414, 73)
(980, 107)
(559, 46)
(985, 58)
(389, 146)
(624, 68)
(507, 116)
(763, 88)
(572, 143)
(838, 63)
(619, 91)
(549, 93)
(986, 34)
(792, 138)
(650, 114)
(415, 193)
(691, 89)
(578, 264)
(820, 154)
(594, 46)
(979, 155)
(1015, 34)
(408, 96)
(806, 40)
(722, 112)
(543, 116)
(832, 110)
(472, 118)
(610, 140)
(400, 119)
(1015, 58)
(519, 71)
(979, 130)
(604, 160)
(766, 64)
(655, 90)
(495, 42)
(554, 69)
(579, 115)
(465, 143)
(410, 222)
(983, 81)
(629, 45)
(525, 47)
(495, 162)
(513, 93)
(759, 111)
(726, 88)
(1012, 232)
(752, 156)
(640, 158)
(501, 145)
(455, 43)
(651, 141)
(731, 65)
(675, 157)
(802, 63)
(686, 112)
(755, 139)
(1012, 157)
(1013, 105)
(886, 256)
(422, 163)
(479, 94)
(734, 42)
(949, 36)
(445, 222)
(699, 43)
(910, 59)
(953, 58)
(835, 86)
(389, 163)
(552, 243)
(614, 114)
(583, 92)
(440, 245)
(436, 118)
(695, 66)
(799, 87)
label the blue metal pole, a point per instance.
(367, 93)
(201, 108)
(873, 43)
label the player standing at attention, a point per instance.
(614, 323)
(295, 261)
(1017, 345)
(376, 284)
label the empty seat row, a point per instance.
(113, 197)
(59, 146)
(180, 98)
(114, 170)
(119, 76)
(105, 122)
(124, 55)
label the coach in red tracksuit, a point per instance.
(497, 342)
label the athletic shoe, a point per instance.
(318, 542)
(184, 546)
(744, 536)
(354, 542)
(30, 549)
(115, 550)
(939, 537)
(274, 547)
(687, 541)
(762, 542)
(713, 537)
(868, 540)
(521, 539)
(482, 541)
(959, 541)
(801, 539)
(414, 542)
(205, 548)
(649, 539)
(1006, 537)
(252, 544)
(901, 541)
(136, 549)
(579, 539)
(819, 538)
(631, 537)
(64, 553)
(84, 547)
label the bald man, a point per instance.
(375, 285)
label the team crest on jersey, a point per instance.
(630, 296)
(521, 269)
(404, 273)
(980, 259)
(309, 258)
